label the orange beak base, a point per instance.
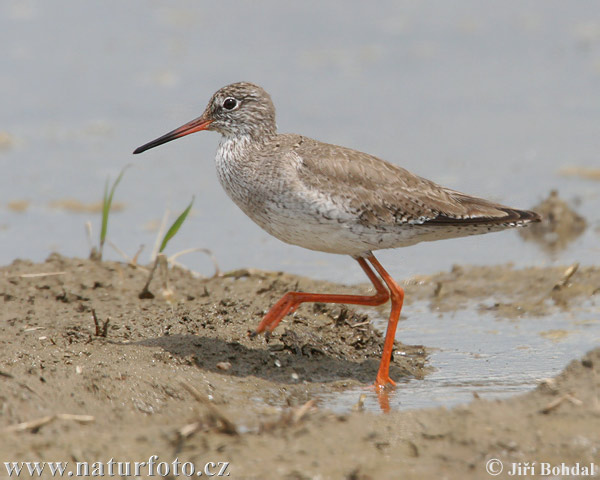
(194, 126)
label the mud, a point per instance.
(90, 372)
(560, 225)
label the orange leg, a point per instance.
(397, 296)
(292, 300)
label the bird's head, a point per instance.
(239, 109)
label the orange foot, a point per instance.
(384, 381)
(384, 392)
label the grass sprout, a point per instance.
(175, 227)
(106, 204)
(161, 258)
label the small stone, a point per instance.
(224, 366)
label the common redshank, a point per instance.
(332, 199)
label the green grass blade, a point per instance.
(175, 227)
(105, 212)
(107, 203)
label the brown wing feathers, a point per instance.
(393, 194)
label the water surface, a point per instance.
(490, 99)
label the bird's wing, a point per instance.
(381, 193)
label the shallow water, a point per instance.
(491, 99)
(479, 353)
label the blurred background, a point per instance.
(494, 99)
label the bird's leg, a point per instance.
(397, 296)
(292, 300)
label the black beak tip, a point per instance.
(138, 150)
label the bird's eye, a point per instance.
(230, 103)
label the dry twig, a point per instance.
(227, 426)
(172, 258)
(130, 261)
(40, 422)
(100, 331)
(569, 272)
(554, 404)
(40, 274)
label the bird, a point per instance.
(332, 199)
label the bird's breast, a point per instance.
(249, 180)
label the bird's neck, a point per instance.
(236, 147)
(236, 167)
(233, 152)
(233, 146)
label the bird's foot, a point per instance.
(384, 382)
(255, 333)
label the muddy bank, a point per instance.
(77, 340)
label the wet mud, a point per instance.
(89, 371)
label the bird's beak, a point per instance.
(200, 123)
